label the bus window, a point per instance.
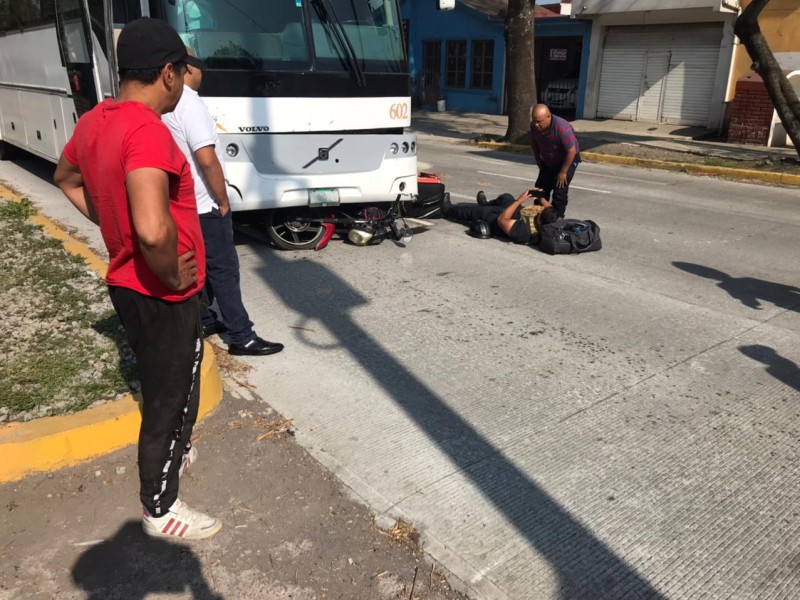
(125, 11)
(6, 22)
(240, 34)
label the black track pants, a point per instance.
(167, 341)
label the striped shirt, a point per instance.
(554, 144)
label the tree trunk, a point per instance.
(520, 81)
(780, 90)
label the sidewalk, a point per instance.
(664, 143)
(290, 528)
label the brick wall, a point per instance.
(751, 112)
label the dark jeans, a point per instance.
(468, 212)
(167, 340)
(222, 278)
(547, 181)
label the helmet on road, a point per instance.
(480, 230)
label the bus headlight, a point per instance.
(405, 147)
(394, 148)
(413, 146)
(232, 150)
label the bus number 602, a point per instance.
(398, 111)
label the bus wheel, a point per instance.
(288, 232)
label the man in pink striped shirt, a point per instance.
(557, 153)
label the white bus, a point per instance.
(311, 97)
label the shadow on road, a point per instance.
(132, 566)
(748, 290)
(782, 369)
(585, 566)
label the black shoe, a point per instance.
(446, 204)
(255, 347)
(213, 329)
(481, 198)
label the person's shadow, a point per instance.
(780, 368)
(111, 327)
(748, 290)
(131, 565)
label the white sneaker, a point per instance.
(189, 458)
(181, 522)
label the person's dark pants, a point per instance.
(548, 176)
(222, 278)
(166, 338)
(468, 212)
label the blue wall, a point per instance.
(428, 24)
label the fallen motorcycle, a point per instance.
(302, 228)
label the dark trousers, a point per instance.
(468, 212)
(222, 278)
(547, 181)
(166, 339)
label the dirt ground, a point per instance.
(790, 165)
(290, 528)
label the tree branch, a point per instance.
(781, 92)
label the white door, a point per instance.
(654, 74)
(659, 73)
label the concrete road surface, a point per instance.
(621, 424)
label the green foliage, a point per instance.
(17, 210)
(61, 343)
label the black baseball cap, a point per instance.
(151, 43)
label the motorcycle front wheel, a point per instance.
(288, 228)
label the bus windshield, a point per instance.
(274, 35)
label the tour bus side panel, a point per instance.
(13, 128)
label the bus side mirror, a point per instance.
(445, 4)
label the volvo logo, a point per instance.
(255, 129)
(323, 153)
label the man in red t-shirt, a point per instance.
(123, 171)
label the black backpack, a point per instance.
(569, 236)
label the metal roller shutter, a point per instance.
(663, 73)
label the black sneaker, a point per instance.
(255, 347)
(481, 198)
(213, 329)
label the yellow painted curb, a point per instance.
(72, 245)
(52, 443)
(745, 174)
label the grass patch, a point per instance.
(62, 347)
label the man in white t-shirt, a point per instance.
(195, 132)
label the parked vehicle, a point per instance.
(561, 94)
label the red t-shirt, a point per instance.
(109, 142)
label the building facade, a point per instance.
(459, 56)
(660, 62)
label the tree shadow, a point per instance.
(585, 566)
(748, 290)
(782, 369)
(131, 566)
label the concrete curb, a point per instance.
(52, 443)
(744, 174)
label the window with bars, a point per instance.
(482, 64)
(456, 64)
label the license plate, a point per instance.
(323, 197)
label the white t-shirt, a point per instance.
(193, 128)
